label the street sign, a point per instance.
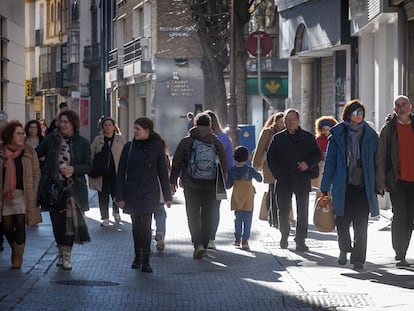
(259, 43)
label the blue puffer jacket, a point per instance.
(335, 171)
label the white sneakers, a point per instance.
(117, 217)
(211, 244)
(159, 237)
(105, 223)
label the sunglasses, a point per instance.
(358, 112)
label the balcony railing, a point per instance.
(92, 55)
(132, 51)
(113, 59)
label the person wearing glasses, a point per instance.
(19, 177)
(292, 156)
(395, 173)
(349, 174)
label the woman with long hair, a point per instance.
(62, 187)
(142, 169)
(273, 125)
(110, 142)
(19, 176)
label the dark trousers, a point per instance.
(356, 212)
(215, 219)
(403, 215)
(199, 204)
(273, 208)
(284, 200)
(1, 235)
(14, 227)
(108, 189)
(141, 232)
(58, 219)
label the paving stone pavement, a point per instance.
(264, 278)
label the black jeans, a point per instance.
(199, 204)
(356, 212)
(14, 227)
(273, 208)
(108, 189)
(1, 234)
(58, 219)
(403, 215)
(284, 200)
(141, 232)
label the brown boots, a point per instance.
(17, 255)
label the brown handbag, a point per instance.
(264, 207)
(323, 215)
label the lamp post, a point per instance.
(231, 100)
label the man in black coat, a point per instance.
(293, 158)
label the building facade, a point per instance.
(12, 59)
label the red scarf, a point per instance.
(10, 153)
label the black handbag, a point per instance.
(101, 163)
(54, 195)
(314, 172)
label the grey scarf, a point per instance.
(353, 152)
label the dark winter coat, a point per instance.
(183, 154)
(141, 165)
(80, 160)
(285, 151)
(335, 171)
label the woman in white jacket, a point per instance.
(110, 142)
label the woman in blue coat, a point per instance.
(349, 174)
(141, 165)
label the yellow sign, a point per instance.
(29, 88)
(37, 104)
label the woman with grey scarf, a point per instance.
(349, 175)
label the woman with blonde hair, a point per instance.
(273, 125)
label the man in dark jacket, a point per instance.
(200, 195)
(395, 173)
(292, 156)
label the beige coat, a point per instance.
(116, 148)
(31, 176)
(260, 155)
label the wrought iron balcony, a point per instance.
(132, 51)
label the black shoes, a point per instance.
(136, 264)
(146, 268)
(302, 247)
(284, 243)
(358, 266)
(342, 259)
(403, 263)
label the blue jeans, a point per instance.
(215, 219)
(160, 216)
(242, 225)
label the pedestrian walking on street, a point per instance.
(19, 176)
(54, 124)
(190, 120)
(293, 159)
(62, 188)
(322, 131)
(273, 125)
(242, 199)
(395, 173)
(195, 161)
(228, 149)
(142, 168)
(349, 174)
(108, 144)
(3, 122)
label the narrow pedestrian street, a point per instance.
(264, 278)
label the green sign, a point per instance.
(270, 86)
